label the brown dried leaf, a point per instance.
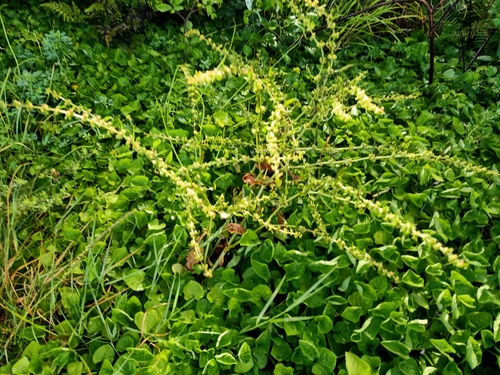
(235, 228)
(249, 179)
(281, 218)
(221, 260)
(191, 260)
(265, 166)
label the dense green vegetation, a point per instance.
(219, 187)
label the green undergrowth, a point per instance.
(192, 203)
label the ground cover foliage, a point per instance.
(245, 194)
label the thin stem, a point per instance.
(479, 51)
(431, 33)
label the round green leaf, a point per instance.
(261, 269)
(326, 362)
(308, 349)
(146, 321)
(193, 290)
(21, 366)
(134, 279)
(249, 238)
(104, 352)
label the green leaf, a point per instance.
(294, 328)
(412, 279)
(294, 270)
(449, 74)
(32, 332)
(382, 237)
(247, 50)
(308, 349)
(141, 355)
(193, 290)
(261, 269)
(245, 360)
(442, 345)
(417, 199)
(139, 181)
(239, 294)
(487, 339)
(222, 119)
(135, 192)
(249, 238)
(352, 313)
(105, 351)
(356, 366)
(409, 367)
(417, 325)
(362, 228)
(366, 291)
(496, 328)
(281, 369)
(458, 126)
(32, 350)
(475, 259)
(324, 324)
(124, 343)
(281, 350)
(132, 107)
(473, 353)
(452, 369)
(478, 320)
(71, 234)
(225, 338)
(146, 321)
(323, 266)
(225, 359)
(75, 368)
(326, 362)
(397, 348)
(134, 279)
(21, 366)
(384, 309)
(429, 370)
(224, 182)
(94, 325)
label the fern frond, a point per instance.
(69, 13)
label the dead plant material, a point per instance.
(191, 260)
(249, 179)
(265, 166)
(235, 228)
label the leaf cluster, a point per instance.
(203, 204)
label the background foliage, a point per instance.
(244, 188)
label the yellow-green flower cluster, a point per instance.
(273, 128)
(351, 195)
(459, 163)
(209, 76)
(364, 101)
(365, 257)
